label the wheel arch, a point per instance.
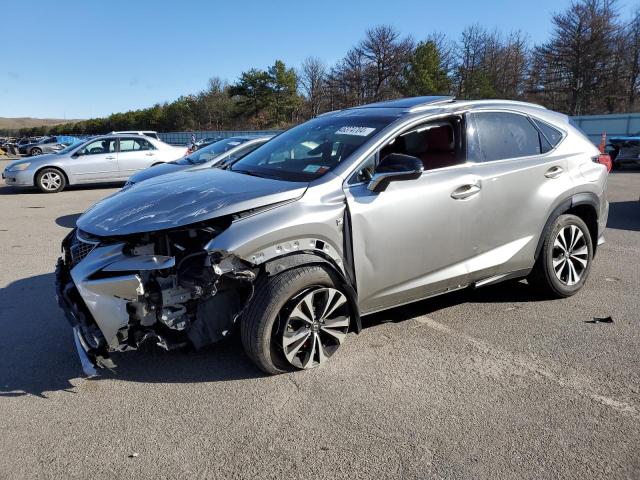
(56, 167)
(584, 206)
(289, 261)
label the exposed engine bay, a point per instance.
(159, 289)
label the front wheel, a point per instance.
(35, 151)
(565, 260)
(296, 320)
(50, 180)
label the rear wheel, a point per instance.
(35, 151)
(50, 180)
(565, 260)
(297, 320)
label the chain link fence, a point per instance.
(184, 138)
(614, 125)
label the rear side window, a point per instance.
(552, 135)
(134, 145)
(501, 135)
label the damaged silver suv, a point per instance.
(350, 213)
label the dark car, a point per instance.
(625, 150)
(21, 145)
(218, 153)
(205, 142)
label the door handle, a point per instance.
(109, 158)
(465, 191)
(150, 154)
(554, 172)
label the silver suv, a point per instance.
(353, 212)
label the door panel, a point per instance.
(513, 206)
(135, 154)
(410, 241)
(98, 163)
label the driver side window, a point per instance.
(100, 147)
(437, 144)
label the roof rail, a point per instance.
(490, 102)
(410, 103)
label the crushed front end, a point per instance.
(161, 288)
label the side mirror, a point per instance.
(393, 167)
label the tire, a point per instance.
(35, 151)
(50, 180)
(560, 270)
(279, 333)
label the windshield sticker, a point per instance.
(312, 168)
(359, 131)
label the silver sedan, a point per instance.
(108, 158)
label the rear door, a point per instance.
(520, 177)
(135, 153)
(96, 162)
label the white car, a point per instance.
(108, 158)
(146, 133)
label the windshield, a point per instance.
(211, 151)
(308, 151)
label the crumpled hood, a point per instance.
(157, 170)
(183, 198)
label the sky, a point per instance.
(89, 58)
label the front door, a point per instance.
(411, 240)
(96, 162)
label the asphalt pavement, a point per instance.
(490, 383)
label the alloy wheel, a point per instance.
(51, 181)
(315, 327)
(570, 255)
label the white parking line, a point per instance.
(504, 360)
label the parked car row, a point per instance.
(106, 158)
(345, 215)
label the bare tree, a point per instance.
(313, 75)
(387, 54)
(632, 60)
(577, 56)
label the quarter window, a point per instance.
(501, 135)
(552, 135)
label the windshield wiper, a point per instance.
(252, 173)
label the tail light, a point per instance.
(604, 159)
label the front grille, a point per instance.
(80, 248)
